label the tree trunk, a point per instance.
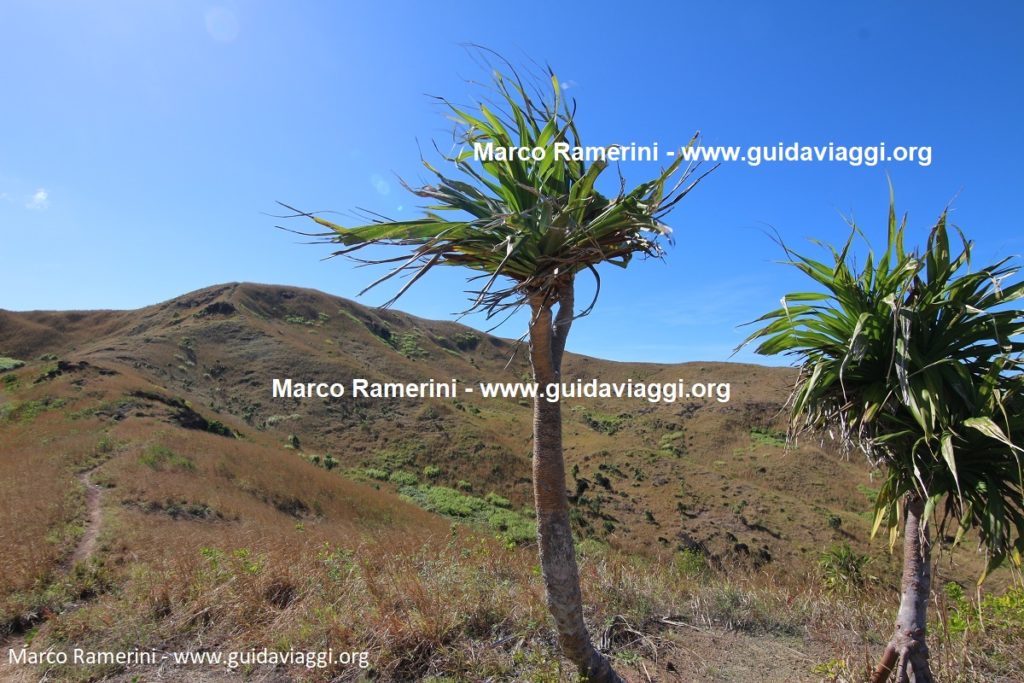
(554, 534)
(907, 652)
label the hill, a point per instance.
(151, 480)
(706, 472)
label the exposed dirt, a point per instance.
(87, 544)
(729, 656)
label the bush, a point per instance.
(431, 471)
(374, 473)
(408, 345)
(843, 569)
(10, 363)
(998, 615)
(600, 422)
(466, 341)
(498, 501)
(510, 526)
(162, 458)
(768, 437)
(404, 478)
(673, 443)
(690, 563)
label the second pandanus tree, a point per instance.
(529, 226)
(915, 359)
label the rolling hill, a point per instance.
(152, 486)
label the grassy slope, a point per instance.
(242, 541)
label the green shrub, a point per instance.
(673, 443)
(404, 478)
(374, 473)
(997, 615)
(690, 563)
(843, 569)
(768, 437)
(28, 410)
(408, 345)
(160, 457)
(398, 455)
(498, 501)
(431, 471)
(510, 526)
(466, 341)
(10, 363)
(602, 422)
(220, 429)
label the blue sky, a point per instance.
(142, 143)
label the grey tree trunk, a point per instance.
(554, 534)
(907, 652)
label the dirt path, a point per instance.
(13, 673)
(87, 544)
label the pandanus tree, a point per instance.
(528, 226)
(915, 359)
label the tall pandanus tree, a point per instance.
(915, 359)
(528, 227)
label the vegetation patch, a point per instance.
(10, 363)
(178, 509)
(162, 458)
(397, 456)
(328, 462)
(318, 321)
(408, 344)
(23, 411)
(843, 569)
(492, 512)
(995, 615)
(603, 422)
(403, 478)
(376, 473)
(466, 341)
(673, 443)
(768, 437)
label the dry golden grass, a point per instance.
(459, 607)
(233, 544)
(40, 499)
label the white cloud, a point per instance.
(40, 199)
